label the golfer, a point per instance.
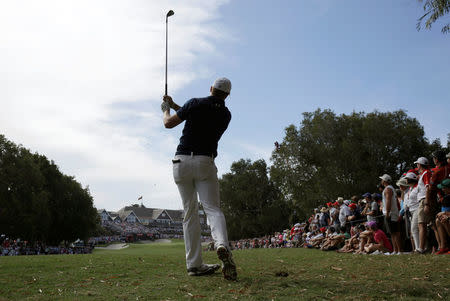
(195, 173)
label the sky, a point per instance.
(81, 82)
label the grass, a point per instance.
(158, 272)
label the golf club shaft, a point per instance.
(165, 93)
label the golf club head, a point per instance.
(170, 13)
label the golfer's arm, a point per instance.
(171, 121)
(175, 106)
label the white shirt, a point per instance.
(343, 213)
(421, 187)
(394, 207)
(411, 198)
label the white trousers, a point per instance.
(415, 228)
(197, 176)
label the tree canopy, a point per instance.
(331, 155)
(38, 202)
(434, 9)
(252, 204)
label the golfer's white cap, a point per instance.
(422, 161)
(222, 84)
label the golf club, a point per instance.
(169, 13)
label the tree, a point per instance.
(38, 202)
(330, 156)
(434, 9)
(252, 205)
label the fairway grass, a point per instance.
(158, 272)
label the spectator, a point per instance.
(422, 187)
(381, 243)
(354, 216)
(411, 208)
(334, 215)
(430, 205)
(334, 240)
(376, 197)
(365, 238)
(442, 220)
(391, 211)
(344, 212)
(352, 244)
(371, 209)
(324, 217)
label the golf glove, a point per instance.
(165, 106)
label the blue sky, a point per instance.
(82, 81)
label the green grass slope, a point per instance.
(158, 272)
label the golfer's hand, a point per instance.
(171, 103)
(169, 100)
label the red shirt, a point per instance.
(426, 177)
(381, 237)
(440, 174)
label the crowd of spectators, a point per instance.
(14, 247)
(125, 228)
(155, 229)
(414, 218)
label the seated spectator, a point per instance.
(352, 244)
(434, 194)
(381, 244)
(317, 238)
(443, 218)
(365, 238)
(334, 240)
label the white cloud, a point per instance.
(81, 82)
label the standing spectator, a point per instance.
(314, 225)
(354, 215)
(371, 209)
(334, 215)
(324, 218)
(422, 187)
(412, 206)
(344, 212)
(391, 211)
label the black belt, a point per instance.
(188, 153)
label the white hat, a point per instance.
(411, 176)
(347, 202)
(402, 182)
(386, 178)
(340, 199)
(222, 84)
(422, 161)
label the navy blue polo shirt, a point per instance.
(206, 120)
